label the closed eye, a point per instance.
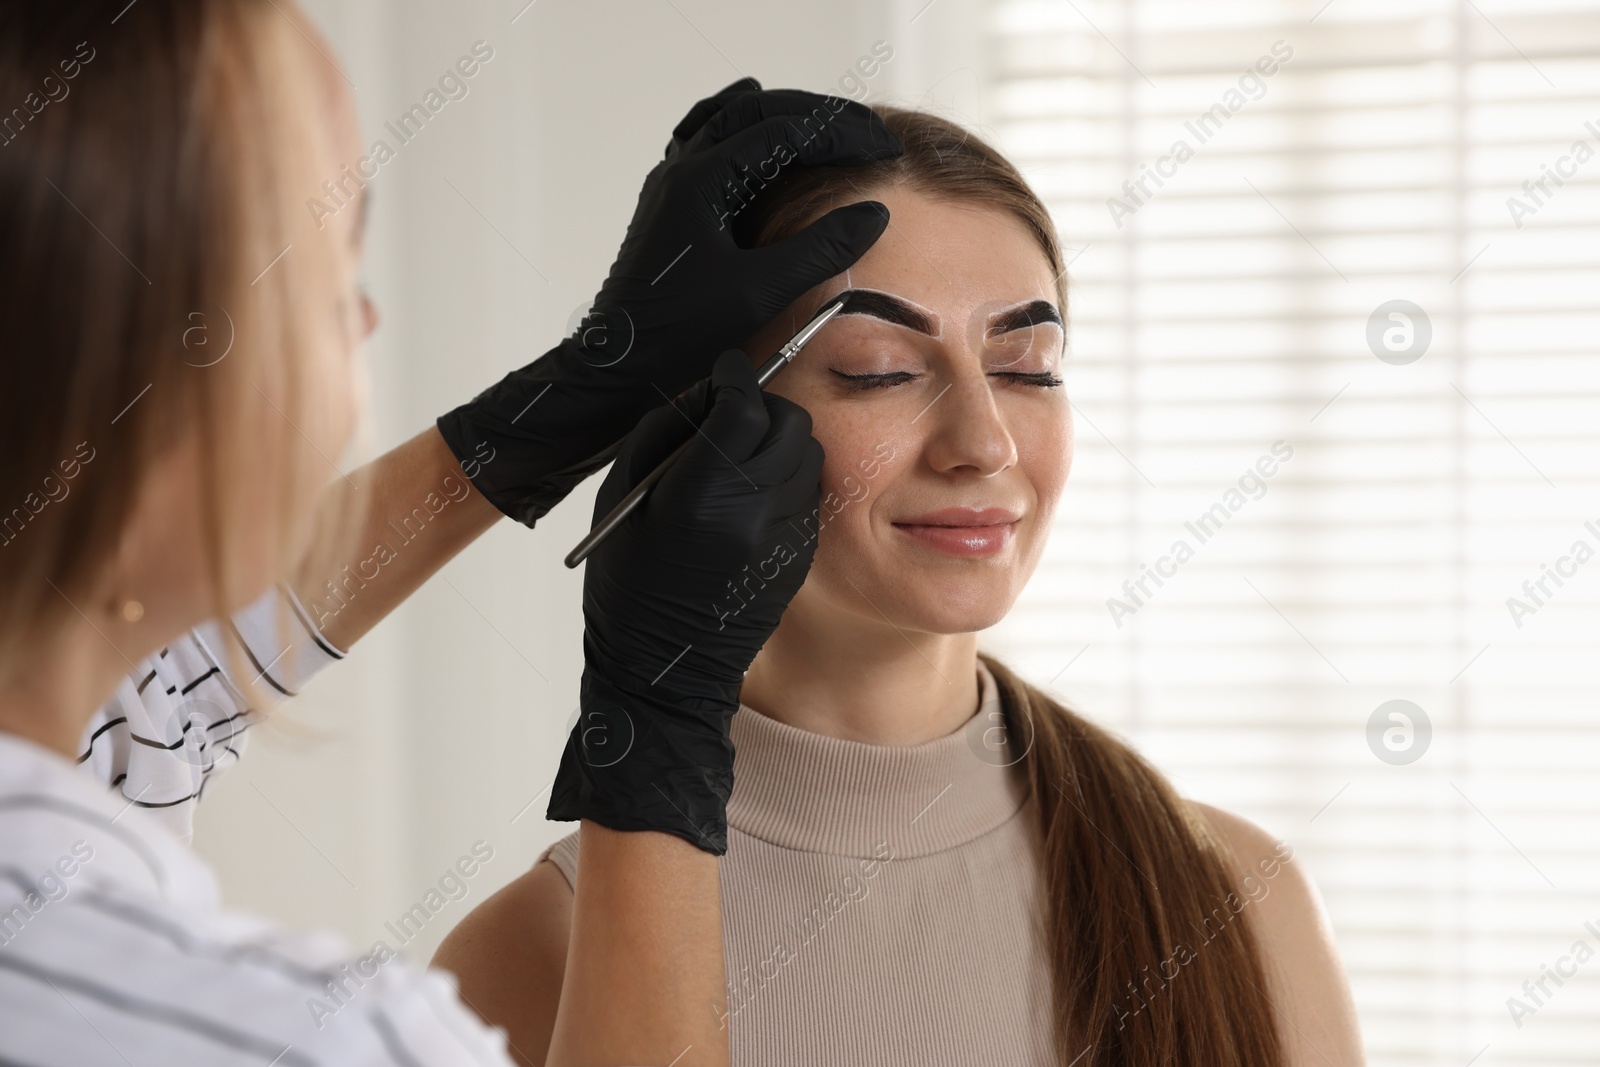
(1042, 379)
(855, 383)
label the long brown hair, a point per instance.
(154, 161)
(1147, 969)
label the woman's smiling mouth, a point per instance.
(963, 531)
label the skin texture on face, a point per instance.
(355, 313)
(914, 424)
(338, 317)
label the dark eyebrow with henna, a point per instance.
(889, 308)
(1019, 318)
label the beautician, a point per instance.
(151, 483)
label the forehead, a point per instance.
(954, 257)
(335, 102)
(339, 109)
(341, 127)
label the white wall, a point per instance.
(447, 720)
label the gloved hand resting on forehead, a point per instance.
(664, 653)
(681, 287)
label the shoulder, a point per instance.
(1279, 891)
(563, 854)
(1253, 851)
(1309, 987)
(509, 954)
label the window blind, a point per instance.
(1328, 553)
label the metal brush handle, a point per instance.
(636, 495)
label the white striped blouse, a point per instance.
(177, 719)
(114, 948)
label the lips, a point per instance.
(963, 531)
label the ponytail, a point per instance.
(1147, 969)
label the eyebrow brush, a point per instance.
(636, 495)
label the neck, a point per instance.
(842, 675)
(49, 693)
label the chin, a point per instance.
(936, 619)
(931, 600)
(948, 595)
(943, 610)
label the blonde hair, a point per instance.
(162, 286)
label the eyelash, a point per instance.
(860, 382)
(1041, 379)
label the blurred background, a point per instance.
(1334, 274)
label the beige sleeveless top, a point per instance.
(880, 904)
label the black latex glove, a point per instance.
(678, 601)
(681, 287)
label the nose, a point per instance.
(967, 434)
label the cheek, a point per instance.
(1044, 456)
(859, 457)
(862, 463)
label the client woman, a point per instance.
(929, 860)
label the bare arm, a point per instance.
(628, 970)
(644, 980)
(1309, 992)
(639, 978)
(421, 510)
(509, 956)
